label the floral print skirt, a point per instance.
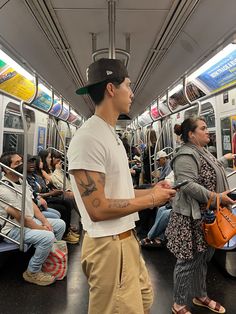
(184, 234)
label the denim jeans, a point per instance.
(42, 240)
(51, 213)
(160, 224)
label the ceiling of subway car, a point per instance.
(167, 37)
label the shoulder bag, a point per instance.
(223, 228)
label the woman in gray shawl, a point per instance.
(184, 233)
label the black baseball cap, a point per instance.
(101, 71)
(31, 158)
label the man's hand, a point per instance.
(162, 195)
(164, 184)
(47, 226)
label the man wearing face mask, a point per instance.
(39, 231)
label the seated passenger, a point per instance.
(39, 200)
(53, 174)
(55, 199)
(156, 235)
(57, 175)
(38, 231)
(164, 165)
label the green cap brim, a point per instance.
(82, 91)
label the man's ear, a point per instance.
(110, 89)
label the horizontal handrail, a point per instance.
(9, 204)
(11, 222)
(231, 174)
(12, 170)
(10, 187)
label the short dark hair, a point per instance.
(6, 158)
(189, 124)
(97, 91)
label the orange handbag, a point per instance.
(218, 233)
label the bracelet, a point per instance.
(153, 201)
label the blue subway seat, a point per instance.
(4, 247)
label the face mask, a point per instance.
(19, 168)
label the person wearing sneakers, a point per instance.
(39, 231)
(103, 189)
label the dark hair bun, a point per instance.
(178, 129)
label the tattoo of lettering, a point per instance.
(118, 203)
(89, 187)
(102, 178)
(96, 203)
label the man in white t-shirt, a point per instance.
(102, 185)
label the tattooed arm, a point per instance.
(91, 186)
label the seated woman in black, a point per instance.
(55, 199)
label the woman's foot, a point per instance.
(210, 304)
(180, 309)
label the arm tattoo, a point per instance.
(118, 203)
(96, 203)
(89, 187)
(102, 179)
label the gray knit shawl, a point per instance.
(221, 180)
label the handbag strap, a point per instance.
(211, 199)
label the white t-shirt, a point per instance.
(14, 199)
(94, 147)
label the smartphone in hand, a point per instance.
(178, 185)
(232, 195)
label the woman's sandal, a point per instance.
(146, 242)
(183, 310)
(206, 303)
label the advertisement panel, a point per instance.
(65, 112)
(42, 101)
(144, 119)
(56, 108)
(14, 83)
(72, 117)
(221, 74)
(41, 138)
(228, 136)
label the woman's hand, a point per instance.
(225, 200)
(230, 156)
(57, 192)
(58, 165)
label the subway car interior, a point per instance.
(181, 60)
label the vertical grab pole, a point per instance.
(64, 149)
(112, 21)
(22, 218)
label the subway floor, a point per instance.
(70, 296)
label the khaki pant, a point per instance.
(117, 276)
